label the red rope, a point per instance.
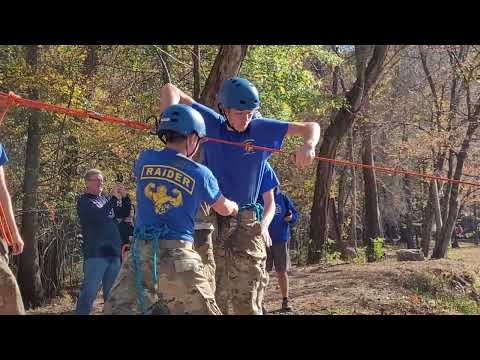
(6, 102)
(11, 99)
(347, 163)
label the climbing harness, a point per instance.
(257, 209)
(152, 234)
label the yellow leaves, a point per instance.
(415, 299)
(286, 108)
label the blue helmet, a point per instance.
(182, 119)
(238, 93)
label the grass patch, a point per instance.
(453, 292)
(361, 257)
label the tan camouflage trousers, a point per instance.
(240, 257)
(205, 222)
(181, 286)
(10, 298)
(204, 247)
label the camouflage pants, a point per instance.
(204, 247)
(240, 256)
(10, 298)
(181, 286)
(204, 232)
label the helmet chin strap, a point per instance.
(194, 149)
(222, 112)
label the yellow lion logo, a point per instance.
(162, 201)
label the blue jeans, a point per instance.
(97, 271)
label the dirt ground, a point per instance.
(447, 286)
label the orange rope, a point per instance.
(348, 163)
(6, 102)
(11, 99)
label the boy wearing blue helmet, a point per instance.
(240, 247)
(162, 273)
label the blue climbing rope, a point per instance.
(153, 234)
(138, 276)
(258, 208)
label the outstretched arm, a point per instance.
(310, 131)
(171, 95)
(6, 203)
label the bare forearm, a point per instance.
(268, 208)
(8, 208)
(310, 131)
(268, 214)
(311, 134)
(171, 95)
(225, 207)
(184, 98)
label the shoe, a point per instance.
(285, 305)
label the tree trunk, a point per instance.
(165, 64)
(429, 211)
(444, 237)
(196, 72)
(342, 196)
(407, 188)
(354, 190)
(319, 213)
(29, 269)
(436, 205)
(475, 221)
(227, 64)
(446, 197)
(91, 60)
(335, 231)
(367, 75)
(373, 227)
(444, 205)
(427, 223)
(441, 246)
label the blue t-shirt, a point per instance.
(269, 181)
(170, 188)
(3, 155)
(238, 170)
(279, 229)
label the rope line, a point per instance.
(11, 99)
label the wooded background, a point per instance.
(409, 107)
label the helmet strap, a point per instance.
(162, 139)
(194, 150)
(222, 112)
